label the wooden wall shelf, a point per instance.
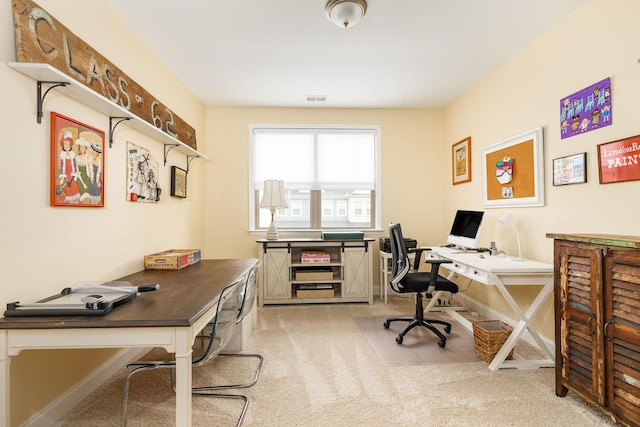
(45, 74)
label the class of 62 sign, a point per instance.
(40, 38)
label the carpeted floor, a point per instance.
(320, 370)
(419, 346)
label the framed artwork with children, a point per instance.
(77, 163)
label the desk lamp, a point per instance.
(273, 197)
(506, 219)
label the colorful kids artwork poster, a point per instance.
(586, 110)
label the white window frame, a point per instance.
(377, 202)
(296, 208)
(327, 208)
(342, 208)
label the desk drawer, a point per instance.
(432, 255)
(456, 267)
(478, 275)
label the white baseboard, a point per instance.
(57, 409)
(483, 310)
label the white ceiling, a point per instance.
(403, 54)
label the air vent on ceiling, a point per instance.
(316, 98)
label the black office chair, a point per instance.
(403, 280)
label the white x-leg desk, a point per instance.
(501, 271)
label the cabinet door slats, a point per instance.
(581, 358)
(626, 297)
(622, 310)
(626, 312)
(579, 303)
(581, 341)
(597, 289)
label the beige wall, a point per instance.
(599, 40)
(412, 171)
(45, 249)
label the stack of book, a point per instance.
(315, 257)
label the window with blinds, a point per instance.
(331, 176)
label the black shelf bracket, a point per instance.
(112, 127)
(41, 96)
(166, 151)
(189, 159)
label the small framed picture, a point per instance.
(570, 169)
(77, 163)
(461, 161)
(178, 182)
(618, 160)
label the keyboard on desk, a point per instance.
(448, 250)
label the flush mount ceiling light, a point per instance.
(346, 13)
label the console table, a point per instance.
(503, 271)
(343, 276)
(170, 318)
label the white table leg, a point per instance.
(384, 275)
(382, 282)
(533, 309)
(524, 324)
(184, 342)
(5, 388)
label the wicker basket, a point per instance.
(489, 336)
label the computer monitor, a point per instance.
(465, 229)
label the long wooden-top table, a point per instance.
(170, 317)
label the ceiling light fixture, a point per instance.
(346, 13)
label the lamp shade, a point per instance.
(505, 219)
(346, 13)
(273, 195)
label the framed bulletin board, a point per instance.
(513, 171)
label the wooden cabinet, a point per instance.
(344, 275)
(597, 304)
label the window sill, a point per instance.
(309, 233)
